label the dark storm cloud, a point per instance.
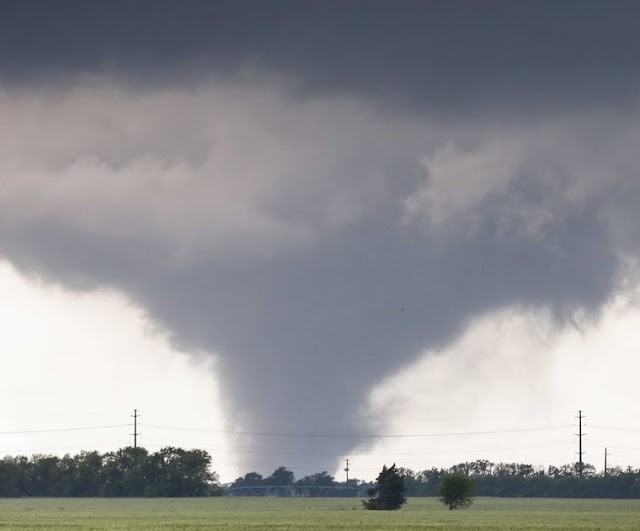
(441, 55)
(323, 237)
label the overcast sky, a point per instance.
(285, 225)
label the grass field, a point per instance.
(316, 514)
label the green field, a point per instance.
(317, 513)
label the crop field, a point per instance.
(317, 513)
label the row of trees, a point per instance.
(489, 479)
(516, 479)
(455, 491)
(177, 472)
(126, 472)
(282, 482)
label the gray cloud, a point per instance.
(304, 206)
(450, 58)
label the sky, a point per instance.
(293, 233)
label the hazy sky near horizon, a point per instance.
(321, 218)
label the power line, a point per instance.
(374, 454)
(73, 447)
(301, 487)
(614, 428)
(617, 444)
(356, 436)
(52, 430)
(622, 447)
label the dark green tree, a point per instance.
(86, 474)
(456, 490)
(388, 494)
(281, 476)
(44, 477)
(177, 472)
(11, 477)
(124, 472)
(319, 479)
(251, 484)
(280, 482)
(318, 484)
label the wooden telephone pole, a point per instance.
(580, 434)
(347, 471)
(135, 428)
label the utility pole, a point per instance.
(135, 428)
(580, 465)
(347, 471)
(605, 461)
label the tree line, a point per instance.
(126, 472)
(523, 480)
(177, 472)
(489, 479)
(282, 482)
